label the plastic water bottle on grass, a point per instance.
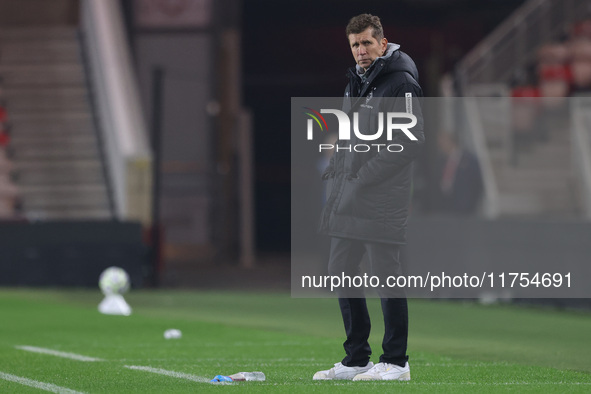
(248, 376)
(240, 377)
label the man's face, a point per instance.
(366, 48)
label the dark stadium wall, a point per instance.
(70, 253)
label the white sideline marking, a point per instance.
(38, 385)
(71, 356)
(179, 375)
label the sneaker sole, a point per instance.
(404, 377)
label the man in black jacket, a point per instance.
(368, 197)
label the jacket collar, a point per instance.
(389, 51)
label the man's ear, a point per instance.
(384, 44)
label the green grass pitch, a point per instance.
(453, 346)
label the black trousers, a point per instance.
(384, 261)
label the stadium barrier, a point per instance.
(70, 253)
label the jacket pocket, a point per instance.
(370, 202)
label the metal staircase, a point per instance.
(59, 167)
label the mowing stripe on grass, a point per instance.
(71, 356)
(497, 383)
(174, 374)
(38, 385)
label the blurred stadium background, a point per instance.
(153, 134)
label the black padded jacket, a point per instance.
(368, 193)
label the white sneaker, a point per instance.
(341, 372)
(385, 371)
